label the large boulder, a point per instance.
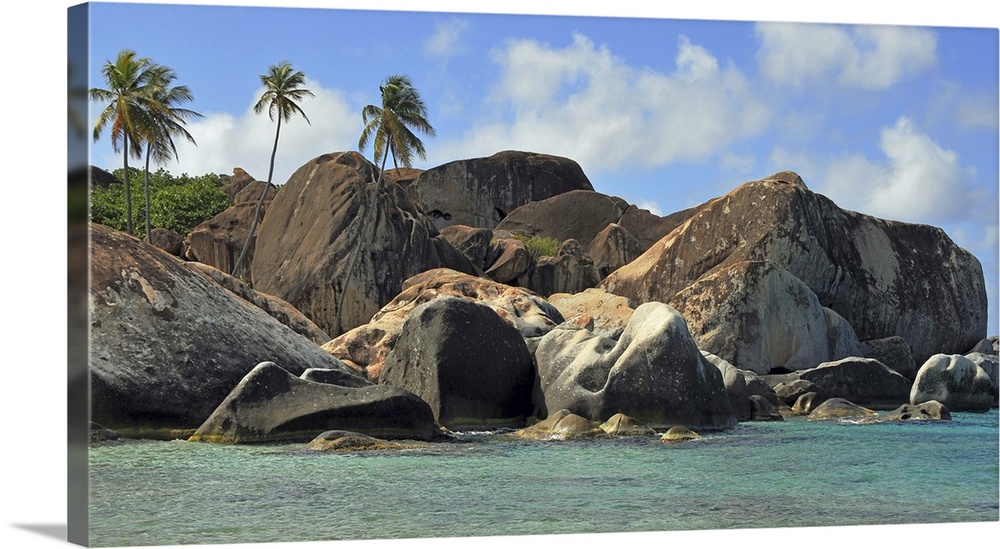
(472, 242)
(741, 387)
(480, 192)
(990, 363)
(338, 247)
(988, 346)
(508, 259)
(654, 373)
(584, 214)
(281, 310)
(218, 241)
(955, 381)
(569, 271)
(612, 248)
(471, 367)
(272, 405)
(789, 392)
(758, 317)
(367, 346)
(894, 352)
(863, 381)
(886, 278)
(242, 188)
(167, 344)
(167, 240)
(579, 215)
(609, 312)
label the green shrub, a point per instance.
(539, 246)
(178, 203)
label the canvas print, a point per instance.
(349, 274)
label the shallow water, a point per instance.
(791, 473)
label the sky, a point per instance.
(895, 121)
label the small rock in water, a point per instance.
(562, 425)
(679, 434)
(763, 410)
(807, 402)
(348, 441)
(623, 425)
(931, 410)
(839, 408)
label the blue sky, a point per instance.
(897, 121)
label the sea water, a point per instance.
(776, 474)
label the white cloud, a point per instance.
(225, 141)
(917, 181)
(737, 164)
(447, 39)
(979, 110)
(866, 57)
(585, 103)
(653, 207)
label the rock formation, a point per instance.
(272, 405)
(758, 317)
(347, 441)
(886, 278)
(584, 214)
(278, 308)
(338, 249)
(955, 381)
(167, 344)
(367, 346)
(167, 240)
(219, 240)
(863, 381)
(480, 192)
(471, 367)
(609, 312)
(741, 387)
(894, 352)
(653, 372)
(569, 271)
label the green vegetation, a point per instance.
(128, 80)
(539, 246)
(390, 127)
(178, 203)
(140, 110)
(166, 120)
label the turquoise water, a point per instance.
(783, 474)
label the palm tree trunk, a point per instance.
(128, 191)
(382, 169)
(260, 202)
(149, 239)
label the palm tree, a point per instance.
(167, 120)
(282, 88)
(128, 95)
(389, 127)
